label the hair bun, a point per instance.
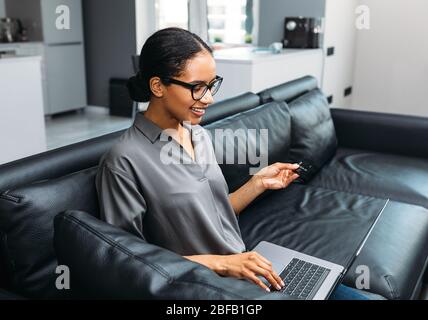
(137, 90)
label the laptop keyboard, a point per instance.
(302, 279)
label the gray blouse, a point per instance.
(147, 184)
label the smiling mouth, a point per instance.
(198, 111)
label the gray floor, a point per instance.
(90, 122)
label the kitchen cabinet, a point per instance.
(22, 125)
(53, 35)
(31, 49)
(63, 63)
(2, 9)
(65, 73)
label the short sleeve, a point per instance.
(121, 203)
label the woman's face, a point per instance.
(178, 100)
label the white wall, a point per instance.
(391, 65)
(340, 33)
(2, 9)
(273, 12)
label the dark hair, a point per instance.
(164, 55)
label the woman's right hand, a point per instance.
(249, 265)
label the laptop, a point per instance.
(307, 277)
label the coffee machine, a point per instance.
(303, 33)
(11, 30)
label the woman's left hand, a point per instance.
(276, 176)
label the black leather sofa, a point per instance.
(49, 207)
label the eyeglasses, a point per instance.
(198, 89)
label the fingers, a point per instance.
(294, 177)
(289, 166)
(270, 275)
(264, 268)
(290, 177)
(257, 281)
(283, 179)
(274, 183)
(267, 265)
(263, 259)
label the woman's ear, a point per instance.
(156, 86)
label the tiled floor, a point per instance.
(90, 122)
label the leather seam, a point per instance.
(124, 250)
(392, 291)
(349, 192)
(9, 197)
(377, 196)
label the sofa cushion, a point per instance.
(313, 138)
(381, 175)
(106, 262)
(244, 141)
(326, 224)
(330, 224)
(26, 223)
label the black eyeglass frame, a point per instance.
(191, 86)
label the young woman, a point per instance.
(185, 208)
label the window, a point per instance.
(230, 21)
(172, 13)
(225, 21)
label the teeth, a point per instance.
(198, 110)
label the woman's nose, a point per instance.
(207, 98)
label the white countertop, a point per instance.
(10, 44)
(251, 55)
(19, 59)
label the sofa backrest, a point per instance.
(242, 136)
(289, 91)
(228, 107)
(313, 136)
(55, 163)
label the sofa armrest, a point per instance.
(109, 263)
(390, 133)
